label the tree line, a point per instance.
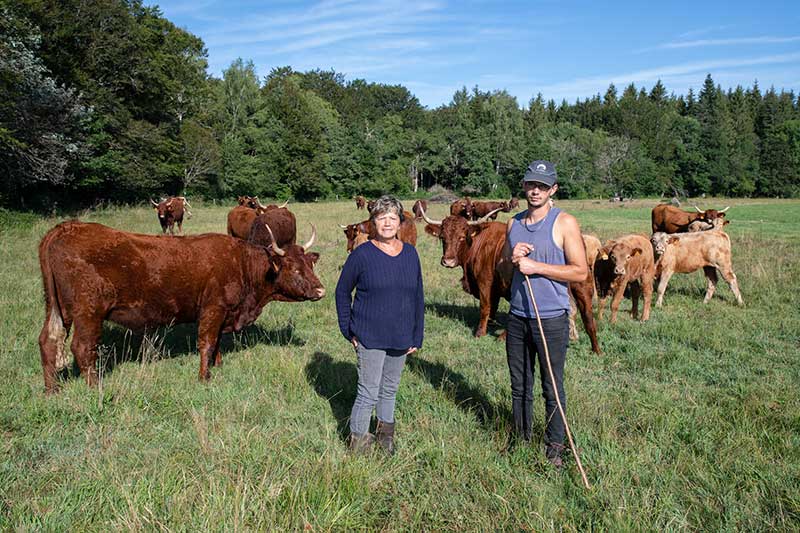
(108, 100)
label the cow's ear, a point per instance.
(636, 251)
(314, 256)
(726, 222)
(433, 229)
(603, 254)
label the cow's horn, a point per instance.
(185, 201)
(725, 209)
(698, 209)
(343, 227)
(310, 242)
(284, 204)
(429, 220)
(275, 248)
(484, 218)
(152, 202)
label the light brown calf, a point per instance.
(686, 252)
(623, 261)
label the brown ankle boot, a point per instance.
(384, 434)
(361, 443)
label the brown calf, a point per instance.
(625, 261)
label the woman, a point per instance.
(384, 323)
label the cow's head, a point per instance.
(164, 208)
(618, 253)
(514, 203)
(355, 233)
(710, 215)
(244, 200)
(660, 241)
(371, 205)
(456, 234)
(293, 268)
(462, 207)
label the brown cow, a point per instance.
(418, 208)
(277, 223)
(371, 205)
(241, 217)
(93, 273)
(625, 261)
(361, 202)
(686, 252)
(462, 208)
(480, 209)
(170, 212)
(670, 219)
(583, 289)
(360, 232)
(514, 202)
(477, 246)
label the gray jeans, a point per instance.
(378, 380)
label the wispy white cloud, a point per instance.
(729, 42)
(595, 84)
(702, 31)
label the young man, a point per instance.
(544, 244)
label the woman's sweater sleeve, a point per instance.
(419, 327)
(344, 294)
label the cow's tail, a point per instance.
(54, 332)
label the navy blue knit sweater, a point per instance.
(388, 312)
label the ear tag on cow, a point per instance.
(604, 257)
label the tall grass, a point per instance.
(690, 421)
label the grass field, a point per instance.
(690, 421)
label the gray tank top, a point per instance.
(552, 298)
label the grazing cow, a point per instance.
(360, 232)
(93, 273)
(481, 209)
(670, 219)
(686, 252)
(462, 208)
(625, 261)
(418, 208)
(170, 212)
(278, 224)
(361, 202)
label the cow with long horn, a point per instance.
(669, 219)
(170, 212)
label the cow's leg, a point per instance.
(88, 330)
(666, 274)
(52, 347)
(730, 277)
(573, 330)
(583, 299)
(218, 356)
(601, 304)
(619, 293)
(636, 290)
(485, 307)
(180, 227)
(647, 290)
(208, 331)
(711, 275)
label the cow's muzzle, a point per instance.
(449, 263)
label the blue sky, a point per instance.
(563, 49)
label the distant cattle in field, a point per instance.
(687, 252)
(249, 201)
(170, 212)
(625, 262)
(371, 205)
(361, 202)
(481, 209)
(462, 208)
(699, 225)
(360, 232)
(418, 208)
(514, 202)
(670, 219)
(93, 273)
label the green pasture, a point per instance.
(690, 421)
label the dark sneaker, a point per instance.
(554, 453)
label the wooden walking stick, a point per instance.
(553, 381)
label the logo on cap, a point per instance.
(541, 167)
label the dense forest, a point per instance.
(107, 100)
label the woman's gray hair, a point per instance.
(387, 204)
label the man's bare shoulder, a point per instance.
(565, 221)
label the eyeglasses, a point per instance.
(536, 185)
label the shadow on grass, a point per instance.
(469, 315)
(462, 393)
(335, 381)
(120, 345)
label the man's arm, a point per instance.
(575, 269)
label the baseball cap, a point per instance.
(541, 171)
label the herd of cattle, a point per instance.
(92, 273)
